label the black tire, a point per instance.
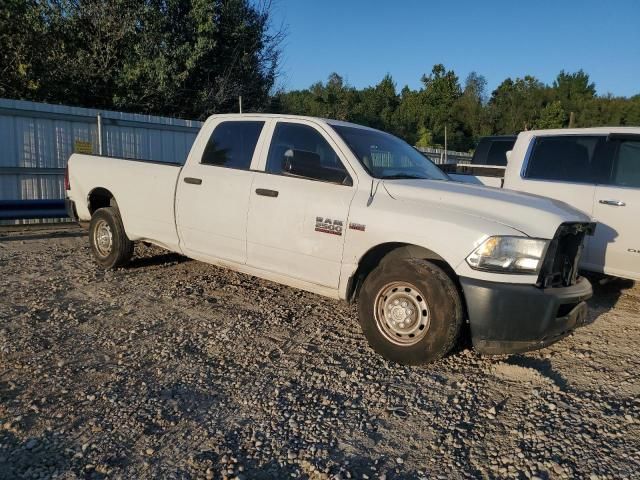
(439, 327)
(120, 250)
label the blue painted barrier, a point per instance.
(27, 209)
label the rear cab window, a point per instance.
(626, 167)
(232, 144)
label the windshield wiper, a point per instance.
(404, 175)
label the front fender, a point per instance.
(450, 234)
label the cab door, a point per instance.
(212, 195)
(571, 168)
(615, 247)
(299, 205)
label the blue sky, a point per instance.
(363, 40)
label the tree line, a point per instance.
(180, 58)
(193, 58)
(468, 113)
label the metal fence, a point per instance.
(36, 140)
(441, 156)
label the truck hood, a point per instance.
(532, 215)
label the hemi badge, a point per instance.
(357, 226)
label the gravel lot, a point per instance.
(176, 369)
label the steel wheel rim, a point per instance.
(401, 313)
(103, 238)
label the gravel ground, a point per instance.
(176, 369)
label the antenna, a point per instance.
(240, 102)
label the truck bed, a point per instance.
(145, 191)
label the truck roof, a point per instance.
(329, 121)
(582, 131)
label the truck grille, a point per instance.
(560, 267)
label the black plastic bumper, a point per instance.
(513, 318)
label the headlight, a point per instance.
(509, 255)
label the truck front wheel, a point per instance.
(410, 311)
(109, 243)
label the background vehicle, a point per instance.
(488, 163)
(352, 213)
(596, 170)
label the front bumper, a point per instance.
(513, 318)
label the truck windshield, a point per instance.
(386, 156)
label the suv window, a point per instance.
(300, 150)
(493, 150)
(498, 152)
(571, 158)
(232, 144)
(626, 168)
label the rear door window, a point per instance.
(492, 151)
(232, 144)
(498, 152)
(570, 158)
(626, 168)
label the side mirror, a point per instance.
(302, 163)
(508, 154)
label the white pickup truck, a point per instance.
(355, 214)
(596, 170)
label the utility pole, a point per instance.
(99, 119)
(240, 102)
(446, 160)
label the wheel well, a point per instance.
(100, 198)
(388, 252)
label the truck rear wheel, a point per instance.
(410, 311)
(109, 243)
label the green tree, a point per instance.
(410, 118)
(441, 91)
(470, 111)
(26, 68)
(552, 116)
(516, 105)
(176, 57)
(632, 111)
(575, 93)
(424, 137)
(377, 105)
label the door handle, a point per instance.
(193, 181)
(265, 192)
(614, 203)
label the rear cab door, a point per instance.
(299, 204)
(212, 194)
(616, 207)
